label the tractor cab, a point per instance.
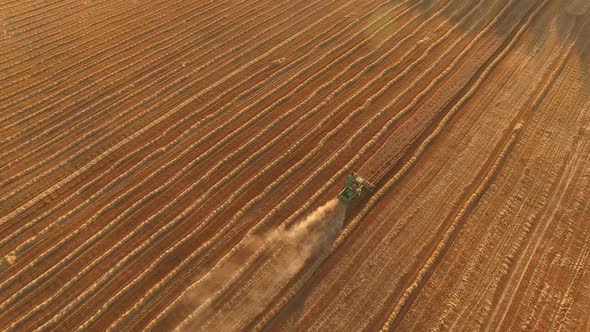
(354, 186)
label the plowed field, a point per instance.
(151, 151)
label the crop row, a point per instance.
(124, 197)
(140, 115)
(176, 218)
(119, 87)
(268, 189)
(186, 134)
(375, 197)
(404, 169)
(65, 37)
(116, 40)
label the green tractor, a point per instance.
(354, 186)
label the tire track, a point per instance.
(524, 118)
(534, 106)
(116, 213)
(451, 232)
(424, 272)
(529, 190)
(451, 88)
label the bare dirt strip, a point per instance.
(151, 151)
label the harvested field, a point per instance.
(172, 164)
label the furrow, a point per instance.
(297, 144)
(375, 197)
(23, 17)
(231, 223)
(21, 6)
(189, 132)
(169, 182)
(186, 134)
(534, 107)
(309, 27)
(179, 217)
(366, 86)
(103, 155)
(59, 79)
(116, 93)
(57, 44)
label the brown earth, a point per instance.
(145, 144)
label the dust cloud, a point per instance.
(243, 285)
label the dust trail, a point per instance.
(241, 286)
